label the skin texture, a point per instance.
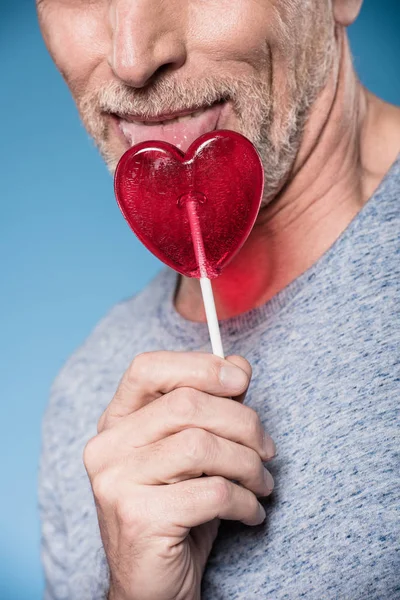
(284, 67)
(283, 70)
(169, 423)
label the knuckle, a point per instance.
(255, 430)
(104, 487)
(255, 468)
(126, 513)
(91, 453)
(195, 444)
(220, 491)
(138, 368)
(102, 422)
(183, 404)
(131, 516)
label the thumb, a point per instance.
(243, 364)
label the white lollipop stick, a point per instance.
(205, 283)
(212, 319)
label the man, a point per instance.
(311, 301)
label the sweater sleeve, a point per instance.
(53, 532)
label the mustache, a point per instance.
(170, 95)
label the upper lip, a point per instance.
(161, 116)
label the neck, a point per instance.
(333, 176)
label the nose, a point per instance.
(147, 35)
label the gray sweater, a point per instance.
(326, 358)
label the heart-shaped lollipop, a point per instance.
(194, 211)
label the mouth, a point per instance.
(179, 128)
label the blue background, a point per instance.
(67, 255)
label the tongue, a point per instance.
(181, 134)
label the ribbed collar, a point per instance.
(195, 335)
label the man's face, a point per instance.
(175, 69)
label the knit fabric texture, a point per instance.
(325, 353)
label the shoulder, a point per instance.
(83, 387)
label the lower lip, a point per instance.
(181, 134)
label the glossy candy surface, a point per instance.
(193, 211)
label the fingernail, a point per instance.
(261, 513)
(269, 446)
(233, 379)
(269, 481)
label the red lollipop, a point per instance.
(193, 211)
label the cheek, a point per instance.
(239, 30)
(77, 41)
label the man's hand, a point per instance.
(170, 422)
